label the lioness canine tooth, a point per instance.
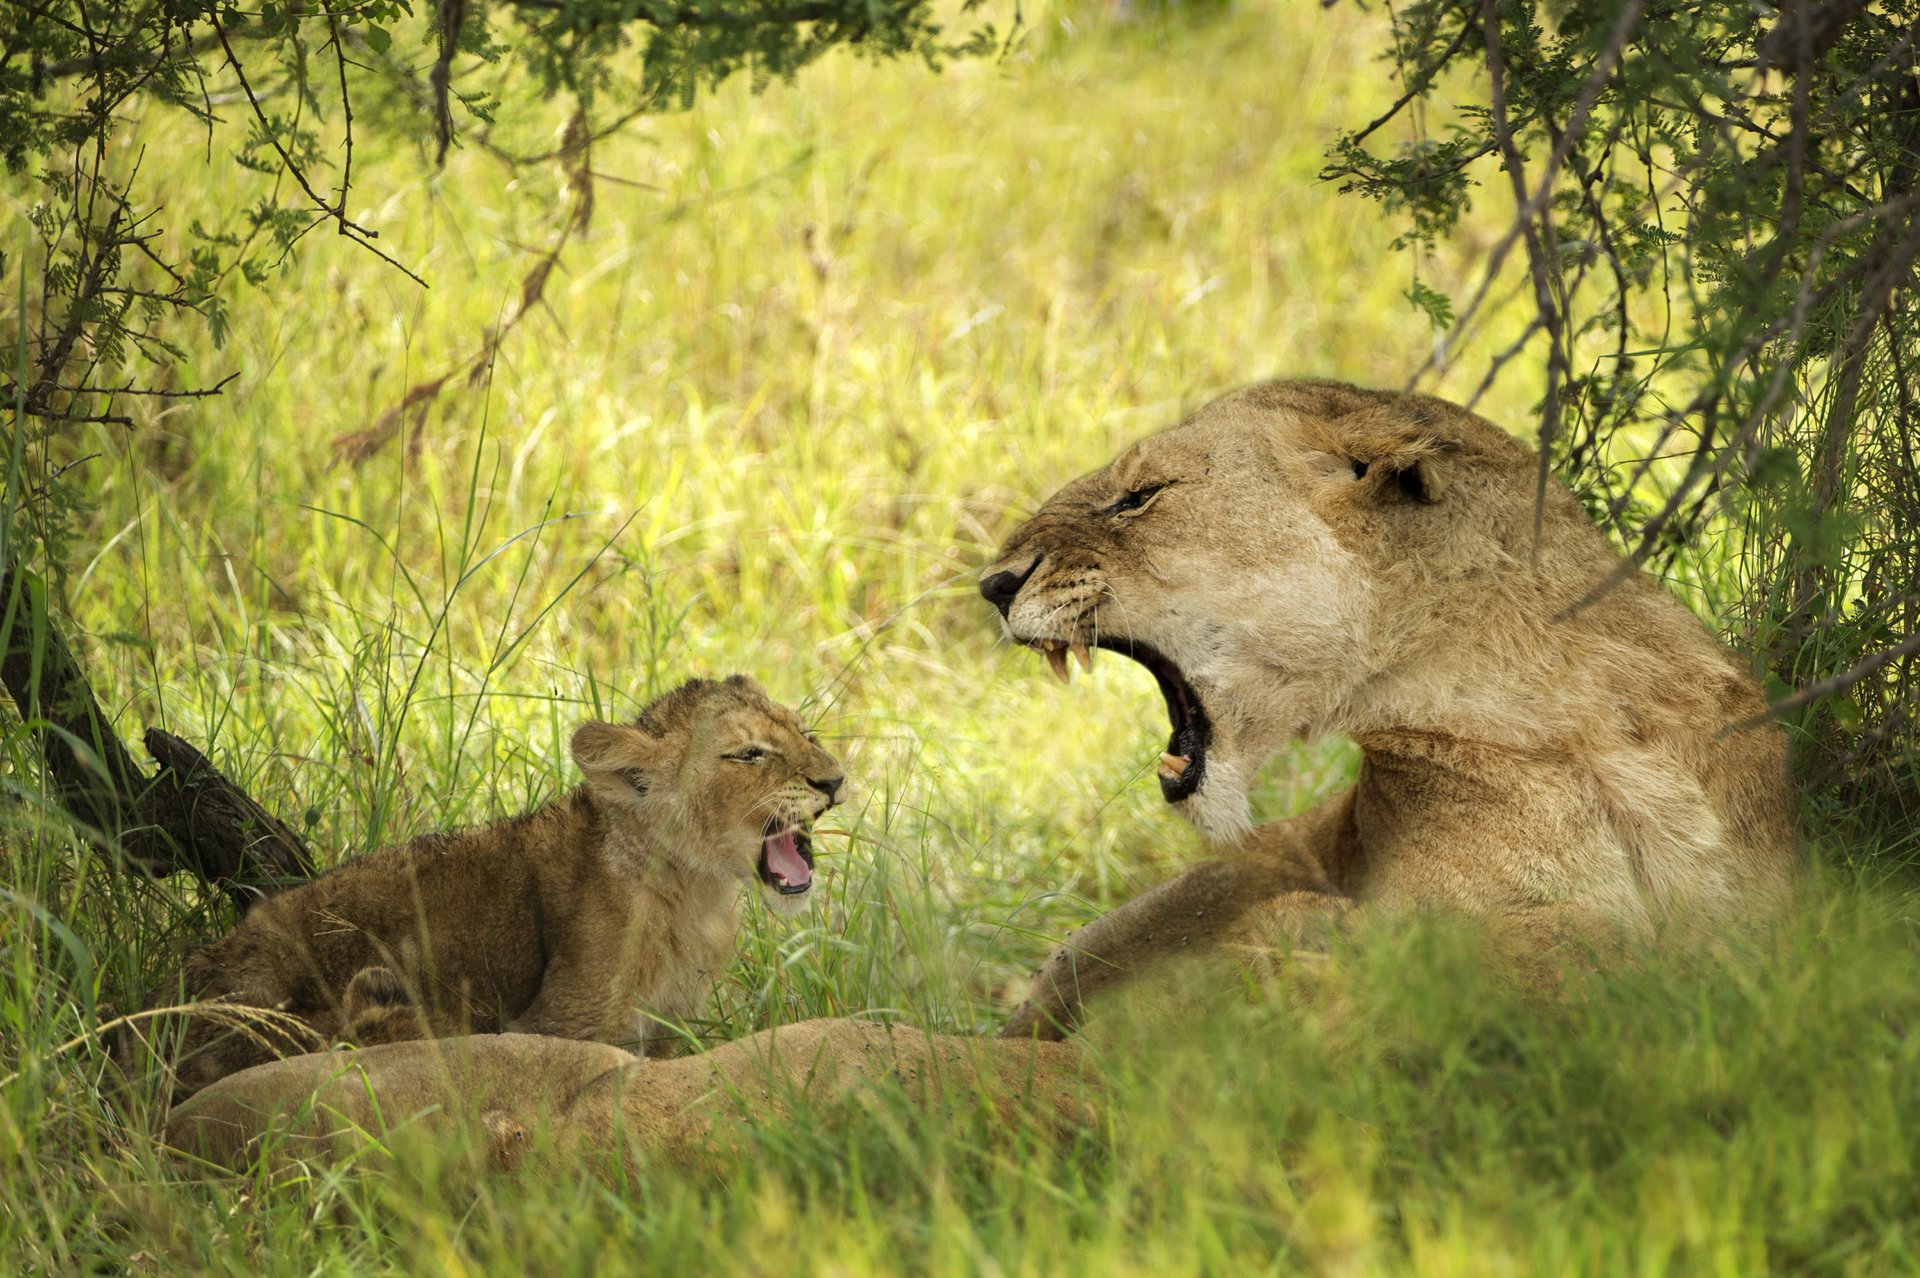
(1057, 658)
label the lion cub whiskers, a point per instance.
(605, 914)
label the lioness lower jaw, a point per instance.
(785, 867)
(1220, 810)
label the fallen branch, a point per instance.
(187, 816)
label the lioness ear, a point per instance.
(1421, 469)
(1405, 448)
(611, 754)
(1423, 478)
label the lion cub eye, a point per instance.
(752, 754)
(1133, 500)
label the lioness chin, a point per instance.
(1549, 739)
(603, 915)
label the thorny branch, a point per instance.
(349, 228)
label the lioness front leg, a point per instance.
(1192, 912)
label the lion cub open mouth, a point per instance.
(1183, 765)
(786, 858)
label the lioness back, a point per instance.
(604, 914)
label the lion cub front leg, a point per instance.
(572, 1002)
(377, 1008)
(1190, 913)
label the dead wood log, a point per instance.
(186, 817)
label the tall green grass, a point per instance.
(820, 349)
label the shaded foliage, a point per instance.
(1716, 215)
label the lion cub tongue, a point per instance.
(784, 861)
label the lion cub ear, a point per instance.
(618, 757)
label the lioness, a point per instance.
(605, 914)
(1544, 745)
(573, 1099)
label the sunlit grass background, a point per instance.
(818, 351)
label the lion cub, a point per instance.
(603, 915)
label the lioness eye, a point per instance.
(752, 754)
(1133, 500)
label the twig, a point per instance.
(453, 14)
(1545, 308)
(346, 106)
(1531, 207)
(1422, 80)
(576, 152)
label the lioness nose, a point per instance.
(1001, 588)
(829, 786)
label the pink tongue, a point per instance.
(784, 861)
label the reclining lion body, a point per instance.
(576, 1100)
(1550, 740)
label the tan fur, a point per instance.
(605, 914)
(1570, 773)
(570, 1100)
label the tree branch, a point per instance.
(352, 230)
(129, 56)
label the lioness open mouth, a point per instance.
(1184, 764)
(786, 858)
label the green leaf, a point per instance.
(1437, 306)
(379, 39)
(1846, 714)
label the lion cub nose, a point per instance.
(829, 786)
(1002, 587)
